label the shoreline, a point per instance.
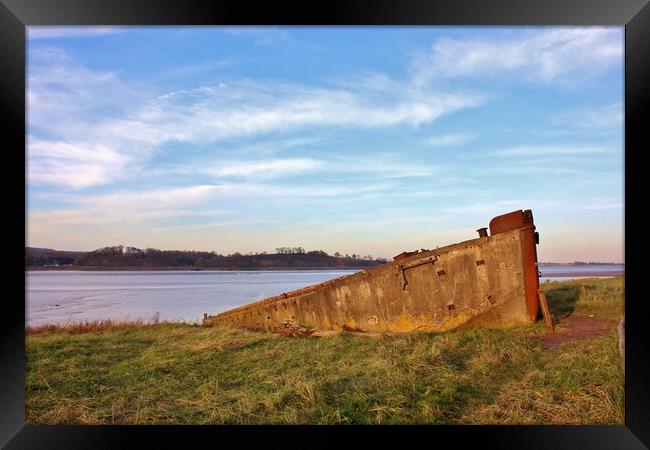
(545, 273)
(578, 274)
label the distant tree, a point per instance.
(116, 250)
(337, 254)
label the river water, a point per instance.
(63, 296)
(75, 296)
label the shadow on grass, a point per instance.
(251, 345)
(562, 301)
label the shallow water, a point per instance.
(64, 296)
(565, 273)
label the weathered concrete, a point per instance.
(477, 282)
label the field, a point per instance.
(169, 373)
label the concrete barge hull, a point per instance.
(488, 281)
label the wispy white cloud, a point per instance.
(555, 55)
(69, 221)
(67, 99)
(113, 214)
(529, 169)
(150, 200)
(487, 208)
(76, 165)
(229, 110)
(225, 111)
(210, 196)
(49, 32)
(268, 168)
(263, 148)
(75, 105)
(547, 150)
(448, 140)
(124, 209)
(608, 117)
(382, 166)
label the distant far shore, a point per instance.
(121, 258)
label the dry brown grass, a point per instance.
(93, 326)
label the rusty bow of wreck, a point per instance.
(489, 281)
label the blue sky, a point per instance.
(367, 140)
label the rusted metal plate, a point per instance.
(510, 221)
(404, 255)
(523, 221)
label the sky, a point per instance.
(366, 140)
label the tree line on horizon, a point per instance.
(121, 256)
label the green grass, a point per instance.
(180, 373)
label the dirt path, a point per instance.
(574, 328)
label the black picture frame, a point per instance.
(634, 15)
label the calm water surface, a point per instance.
(564, 273)
(64, 296)
(72, 296)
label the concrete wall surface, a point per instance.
(476, 282)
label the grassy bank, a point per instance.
(178, 373)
